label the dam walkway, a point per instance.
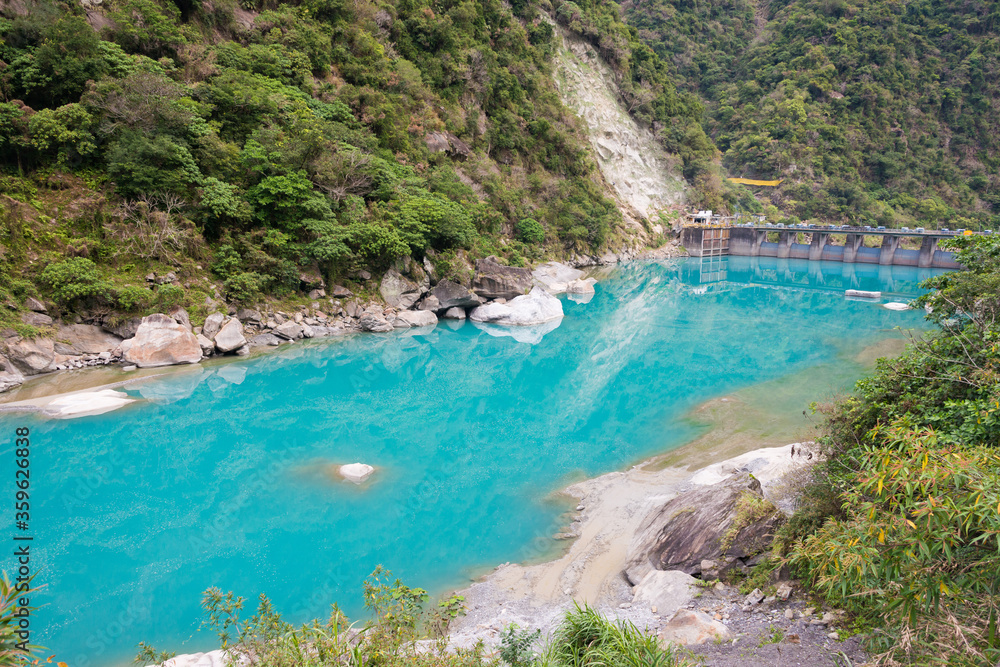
(754, 240)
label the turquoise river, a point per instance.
(220, 476)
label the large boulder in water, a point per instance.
(9, 376)
(536, 307)
(161, 341)
(495, 281)
(398, 292)
(701, 525)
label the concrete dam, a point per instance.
(753, 241)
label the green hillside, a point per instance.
(259, 139)
(880, 111)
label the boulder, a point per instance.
(398, 292)
(691, 527)
(123, 329)
(212, 325)
(553, 276)
(181, 317)
(430, 302)
(30, 357)
(372, 319)
(10, 377)
(430, 271)
(688, 627)
(452, 295)
(36, 319)
(266, 339)
(308, 331)
(207, 346)
(289, 330)
(34, 305)
(536, 307)
(454, 314)
(160, 341)
(666, 591)
(249, 315)
(496, 281)
(86, 339)
(341, 292)
(896, 305)
(308, 280)
(86, 403)
(230, 337)
(356, 472)
(584, 286)
(415, 318)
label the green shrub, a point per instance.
(132, 298)
(530, 231)
(146, 165)
(168, 296)
(245, 286)
(72, 280)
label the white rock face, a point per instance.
(86, 403)
(896, 305)
(356, 472)
(554, 276)
(415, 318)
(160, 341)
(535, 307)
(668, 591)
(629, 155)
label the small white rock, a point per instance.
(356, 472)
(129, 368)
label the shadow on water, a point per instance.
(137, 512)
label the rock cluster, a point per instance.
(486, 291)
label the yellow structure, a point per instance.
(750, 181)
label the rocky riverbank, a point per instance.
(410, 295)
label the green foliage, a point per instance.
(586, 638)
(147, 27)
(530, 231)
(75, 279)
(426, 220)
(11, 594)
(903, 523)
(143, 164)
(63, 132)
(515, 646)
(847, 101)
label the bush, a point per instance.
(245, 287)
(146, 165)
(530, 231)
(72, 280)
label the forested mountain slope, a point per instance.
(258, 139)
(877, 111)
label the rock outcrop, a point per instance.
(30, 357)
(84, 339)
(536, 307)
(10, 377)
(702, 524)
(161, 341)
(496, 281)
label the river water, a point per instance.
(222, 474)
